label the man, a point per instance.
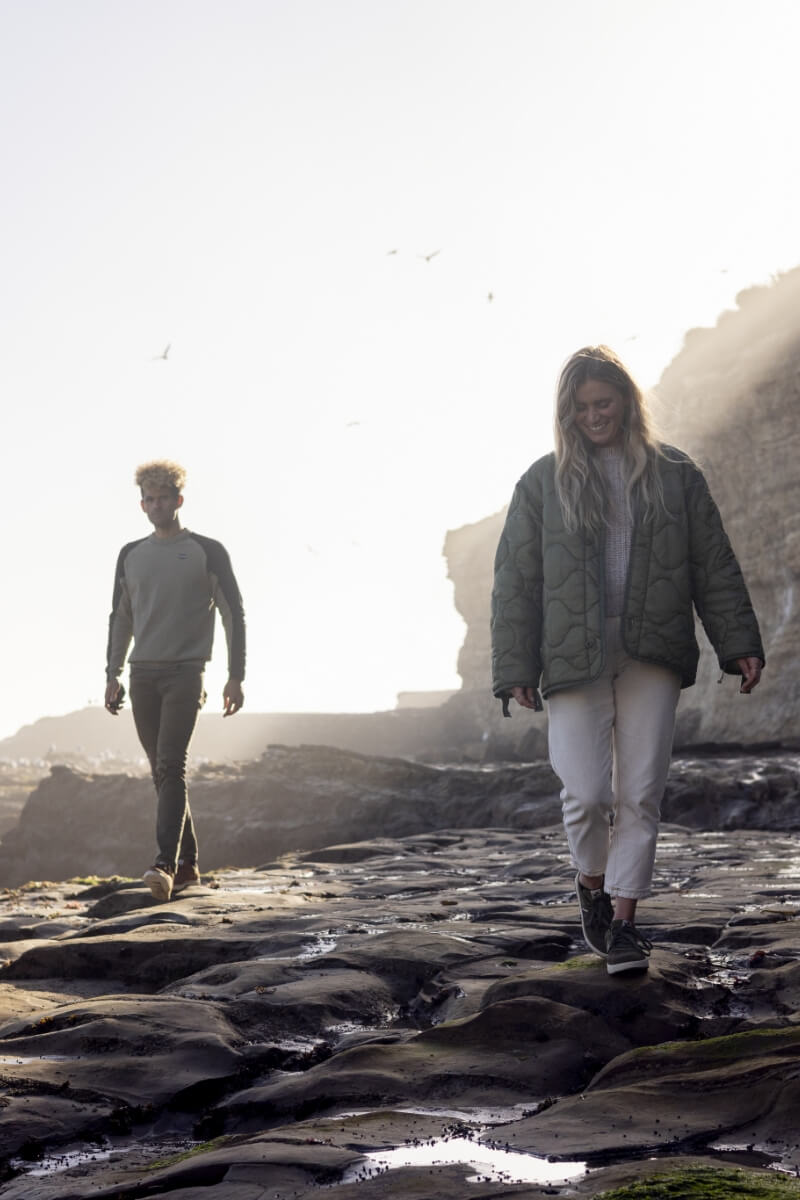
(166, 588)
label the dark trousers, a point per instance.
(165, 702)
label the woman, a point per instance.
(609, 545)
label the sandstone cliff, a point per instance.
(730, 398)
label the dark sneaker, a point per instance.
(596, 916)
(159, 879)
(628, 950)
(186, 874)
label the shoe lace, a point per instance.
(598, 912)
(629, 935)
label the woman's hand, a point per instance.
(524, 695)
(751, 673)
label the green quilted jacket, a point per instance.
(548, 598)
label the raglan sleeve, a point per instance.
(120, 622)
(227, 598)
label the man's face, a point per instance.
(160, 505)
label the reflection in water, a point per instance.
(500, 1166)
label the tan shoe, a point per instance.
(159, 879)
(186, 874)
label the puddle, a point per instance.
(12, 1060)
(350, 1028)
(721, 970)
(322, 945)
(751, 1155)
(481, 1117)
(248, 889)
(498, 1115)
(416, 894)
(296, 1045)
(725, 971)
(54, 1164)
(489, 1164)
(247, 885)
(486, 885)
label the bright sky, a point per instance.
(229, 177)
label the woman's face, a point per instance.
(600, 412)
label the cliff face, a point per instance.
(731, 398)
(470, 560)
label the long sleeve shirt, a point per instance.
(166, 592)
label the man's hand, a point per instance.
(232, 697)
(113, 689)
(751, 673)
(524, 696)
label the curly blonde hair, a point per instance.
(161, 473)
(580, 482)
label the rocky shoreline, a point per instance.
(337, 1016)
(303, 797)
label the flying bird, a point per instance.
(388, 252)
(428, 257)
(164, 353)
(490, 297)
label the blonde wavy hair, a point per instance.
(580, 480)
(161, 472)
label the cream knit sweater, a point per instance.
(618, 530)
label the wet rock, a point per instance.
(683, 1095)
(267, 1030)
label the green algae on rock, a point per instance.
(707, 1183)
(191, 1152)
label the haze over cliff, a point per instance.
(730, 398)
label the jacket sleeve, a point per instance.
(719, 591)
(120, 622)
(516, 622)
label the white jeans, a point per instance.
(610, 744)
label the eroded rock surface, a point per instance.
(268, 1031)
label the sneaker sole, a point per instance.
(181, 887)
(158, 888)
(618, 968)
(592, 949)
